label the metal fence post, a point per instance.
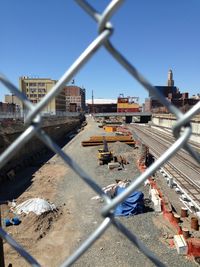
(2, 263)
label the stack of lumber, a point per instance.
(98, 140)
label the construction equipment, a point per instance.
(98, 140)
(104, 156)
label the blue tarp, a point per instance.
(132, 205)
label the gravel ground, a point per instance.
(112, 247)
(57, 237)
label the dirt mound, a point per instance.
(38, 224)
(119, 148)
(44, 222)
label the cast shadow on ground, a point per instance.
(148, 205)
(12, 188)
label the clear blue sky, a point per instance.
(43, 38)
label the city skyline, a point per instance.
(154, 37)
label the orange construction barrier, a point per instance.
(193, 243)
(193, 247)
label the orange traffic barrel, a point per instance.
(184, 212)
(176, 217)
(194, 223)
(185, 233)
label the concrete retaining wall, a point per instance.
(58, 129)
(167, 122)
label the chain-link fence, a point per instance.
(182, 131)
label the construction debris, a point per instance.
(13, 221)
(111, 188)
(155, 198)
(123, 130)
(36, 205)
(180, 244)
(132, 205)
(113, 165)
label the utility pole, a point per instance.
(92, 102)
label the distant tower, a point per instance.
(170, 81)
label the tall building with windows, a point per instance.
(36, 88)
(75, 98)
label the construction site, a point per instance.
(50, 211)
(111, 180)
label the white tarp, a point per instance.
(36, 205)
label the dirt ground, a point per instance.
(53, 236)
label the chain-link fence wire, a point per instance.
(182, 131)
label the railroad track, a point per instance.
(169, 137)
(183, 181)
(181, 167)
(182, 155)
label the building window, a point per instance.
(32, 89)
(41, 84)
(33, 95)
(42, 90)
(32, 84)
(33, 101)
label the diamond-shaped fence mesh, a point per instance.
(182, 131)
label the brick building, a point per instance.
(99, 105)
(75, 98)
(172, 93)
(12, 99)
(7, 107)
